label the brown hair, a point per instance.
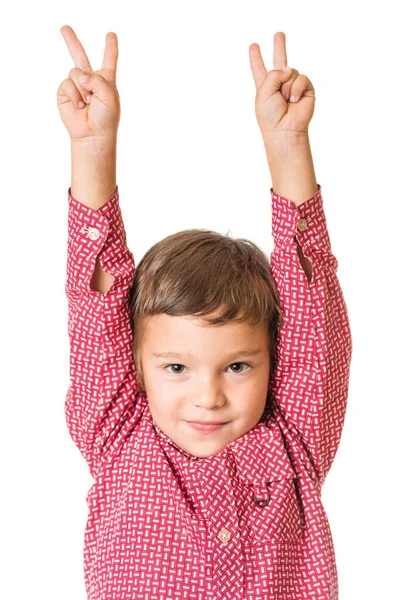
(199, 272)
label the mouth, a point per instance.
(207, 427)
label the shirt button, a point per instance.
(93, 233)
(301, 224)
(224, 535)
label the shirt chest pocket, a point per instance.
(269, 509)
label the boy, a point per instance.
(207, 481)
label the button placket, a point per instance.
(228, 551)
(224, 535)
(302, 224)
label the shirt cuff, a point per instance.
(94, 233)
(104, 209)
(306, 222)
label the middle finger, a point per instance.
(280, 58)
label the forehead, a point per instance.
(188, 331)
(176, 323)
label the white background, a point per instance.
(190, 154)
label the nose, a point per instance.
(209, 395)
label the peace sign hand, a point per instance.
(276, 114)
(91, 110)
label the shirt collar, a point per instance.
(258, 454)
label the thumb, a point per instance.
(100, 87)
(274, 81)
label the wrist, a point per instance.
(283, 143)
(93, 171)
(292, 169)
(94, 145)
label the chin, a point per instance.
(208, 450)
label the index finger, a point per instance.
(75, 48)
(280, 58)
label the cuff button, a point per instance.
(301, 224)
(93, 233)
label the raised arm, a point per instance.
(102, 406)
(309, 385)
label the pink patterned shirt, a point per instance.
(247, 523)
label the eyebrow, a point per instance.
(250, 352)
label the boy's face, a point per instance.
(218, 382)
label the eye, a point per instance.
(175, 365)
(179, 373)
(241, 363)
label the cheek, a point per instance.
(257, 396)
(256, 407)
(162, 400)
(165, 411)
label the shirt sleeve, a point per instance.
(100, 405)
(309, 385)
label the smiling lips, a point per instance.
(207, 422)
(205, 427)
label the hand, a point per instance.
(98, 117)
(277, 116)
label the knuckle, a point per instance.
(65, 86)
(74, 72)
(62, 85)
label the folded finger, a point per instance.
(74, 74)
(287, 86)
(300, 87)
(68, 92)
